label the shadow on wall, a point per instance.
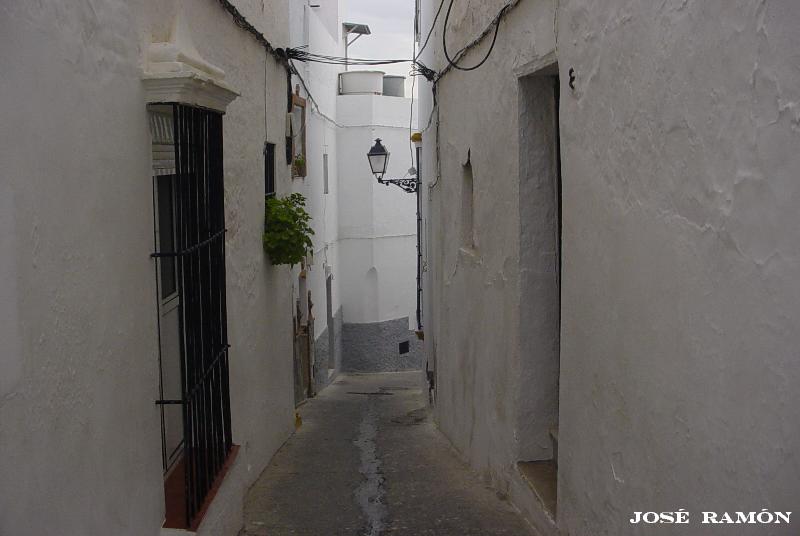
(327, 362)
(381, 347)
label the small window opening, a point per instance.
(298, 123)
(467, 206)
(325, 172)
(269, 170)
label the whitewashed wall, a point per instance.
(680, 304)
(364, 232)
(79, 430)
(320, 29)
(377, 223)
(321, 139)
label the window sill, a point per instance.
(175, 517)
(542, 478)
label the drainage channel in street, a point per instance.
(370, 494)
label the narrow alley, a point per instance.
(368, 460)
(399, 267)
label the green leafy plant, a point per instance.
(287, 233)
(299, 166)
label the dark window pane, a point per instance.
(269, 170)
(166, 234)
(325, 173)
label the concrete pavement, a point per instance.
(369, 461)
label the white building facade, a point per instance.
(133, 129)
(611, 295)
(378, 233)
(320, 29)
(362, 273)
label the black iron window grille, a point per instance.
(196, 249)
(165, 195)
(269, 170)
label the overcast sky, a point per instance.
(392, 26)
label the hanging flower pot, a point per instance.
(299, 166)
(287, 233)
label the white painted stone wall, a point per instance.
(679, 317)
(377, 223)
(314, 27)
(79, 430)
(365, 234)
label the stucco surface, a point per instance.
(374, 347)
(79, 436)
(377, 223)
(685, 177)
(472, 326)
(310, 26)
(324, 358)
(364, 233)
(679, 298)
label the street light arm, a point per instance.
(408, 185)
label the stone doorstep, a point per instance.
(532, 490)
(176, 532)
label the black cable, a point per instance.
(245, 25)
(300, 55)
(488, 53)
(430, 32)
(411, 114)
(421, 69)
(304, 56)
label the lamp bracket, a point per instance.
(408, 185)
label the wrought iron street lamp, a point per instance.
(378, 158)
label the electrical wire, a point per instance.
(244, 24)
(266, 92)
(411, 113)
(434, 109)
(299, 54)
(285, 56)
(311, 98)
(454, 62)
(430, 32)
(433, 184)
(315, 108)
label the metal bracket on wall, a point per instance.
(408, 185)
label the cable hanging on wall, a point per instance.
(453, 61)
(302, 55)
(245, 25)
(430, 32)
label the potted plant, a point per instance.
(287, 233)
(299, 166)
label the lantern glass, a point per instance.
(378, 158)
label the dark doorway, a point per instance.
(540, 244)
(330, 321)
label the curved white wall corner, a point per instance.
(377, 223)
(365, 234)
